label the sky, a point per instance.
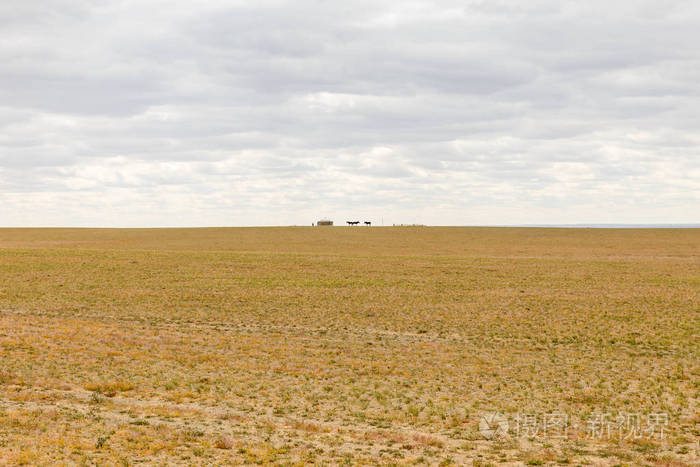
(150, 113)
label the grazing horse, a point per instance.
(352, 222)
(368, 223)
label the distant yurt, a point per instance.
(324, 222)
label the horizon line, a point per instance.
(560, 226)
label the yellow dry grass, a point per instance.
(346, 345)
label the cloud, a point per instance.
(444, 112)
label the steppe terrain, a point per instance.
(350, 345)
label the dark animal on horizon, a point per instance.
(368, 223)
(352, 222)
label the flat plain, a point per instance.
(350, 345)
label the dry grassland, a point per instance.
(348, 346)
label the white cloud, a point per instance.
(445, 112)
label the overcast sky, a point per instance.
(163, 113)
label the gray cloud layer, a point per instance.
(133, 113)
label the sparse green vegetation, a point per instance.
(346, 345)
